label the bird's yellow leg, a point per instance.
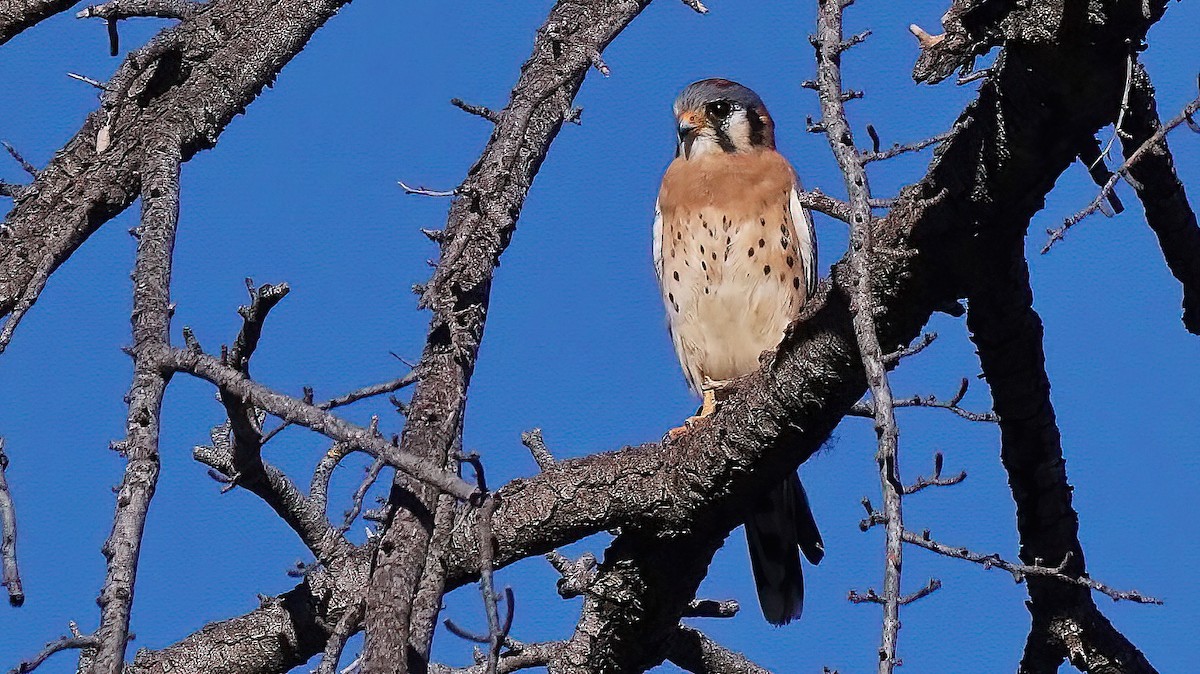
(706, 410)
(709, 405)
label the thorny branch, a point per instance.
(830, 45)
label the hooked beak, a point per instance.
(689, 128)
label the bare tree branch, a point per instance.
(696, 653)
(60, 644)
(151, 320)
(1007, 333)
(1150, 145)
(479, 227)
(897, 149)
(1167, 209)
(204, 72)
(866, 408)
(1021, 571)
(18, 15)
(11, 576)
(298, 412)
(830, 45)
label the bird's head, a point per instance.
(718, 115)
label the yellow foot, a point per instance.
(688, 425)
(706, 410)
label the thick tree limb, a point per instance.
(17, 15)
(184, 87)
(151, 320)
(1007, 333)
(695, 652)
(1167, 209)
(480, 225)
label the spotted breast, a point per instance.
(736, 259)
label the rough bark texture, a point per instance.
(18, 15)
(480, 225)
(151, 320)
(1008, 335)
(187, 84)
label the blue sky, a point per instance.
(303, 189)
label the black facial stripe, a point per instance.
(757, 128)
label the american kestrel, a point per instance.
(736, 258)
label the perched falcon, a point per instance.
(736, 258)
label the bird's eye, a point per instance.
(719, 109)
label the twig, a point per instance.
(497, 632)
(30, 295)
(897, 149)
(933, 586)
(818, 201)
(477, 110)
(936, 480)
(696, 5)
(537, 447)
(910, 350)
(426, 192)
(1056, 235)
(866, 408)
(60, 644)
(1120, 115)
(25, 165)
(355, 396)
(709, 608)
(11, 578)
(360, 494)
(113, 11)
(829, 47)
(87, 80)
(1021, 571)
